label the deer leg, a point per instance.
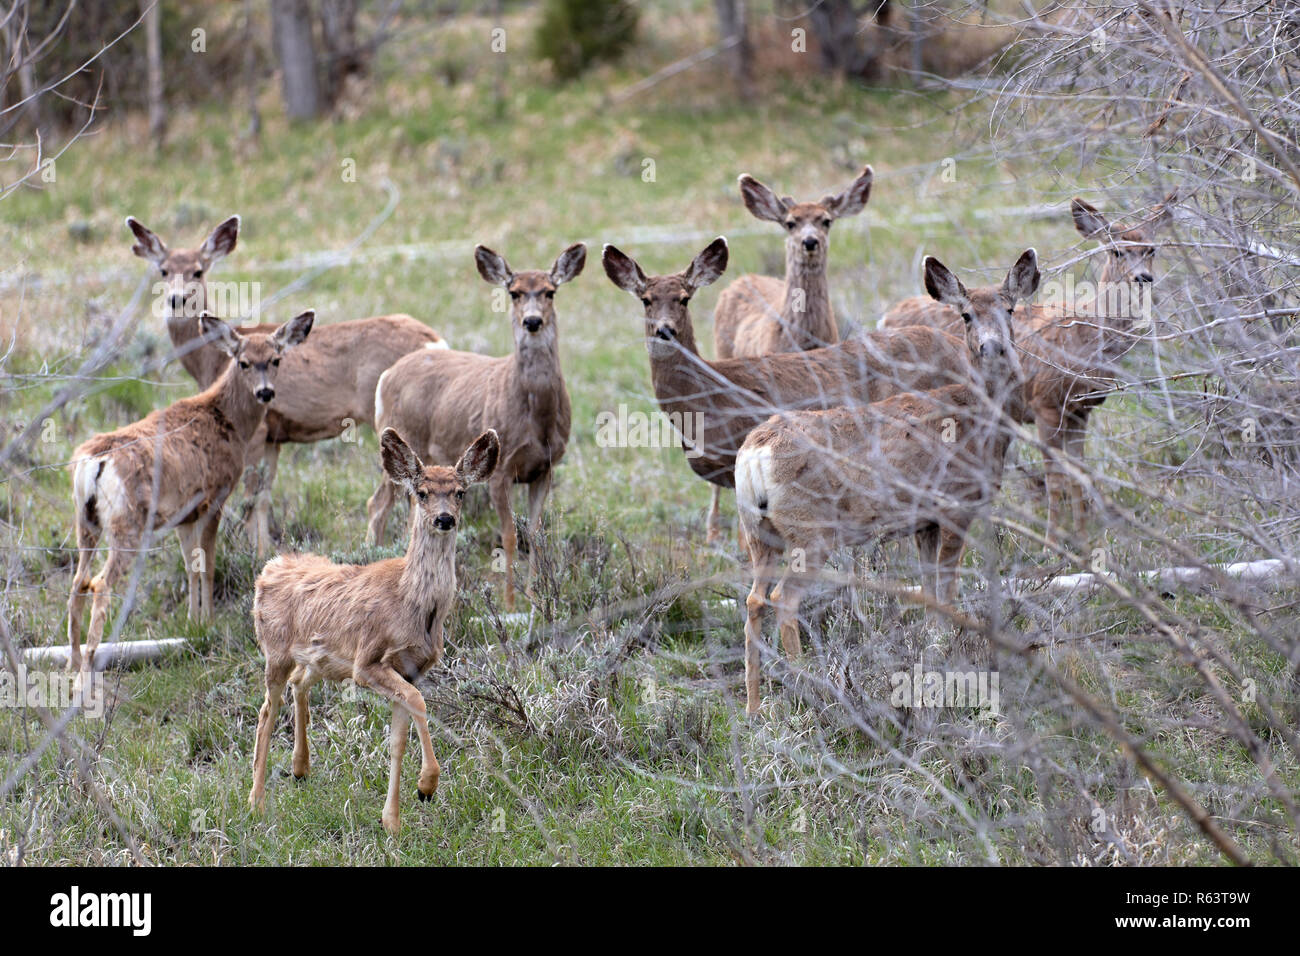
(398, 735)
(713, 533)
(788, 594)
(405, 698)
(207, 537)
(124, 543)
(537, 493)
(276, 676)
(186, 536)
(927, 544)
(1050, 435)
(86, 541)
(500, 493)
(262, 504)
(254, 453)
(301, 720)
(762, 559)
(380, 503)
(1076, 432)
(952, 544)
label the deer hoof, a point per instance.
(423, 797)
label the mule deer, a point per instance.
(728, 397)
(1070, 350)
(758, 314)
(381, 624)
(920, 464)
(329, 385)
(439, 400)
(173, 468)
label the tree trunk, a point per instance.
(153, 59)
(843, 48)
(296, 51)
(343, 54)
(733, 21)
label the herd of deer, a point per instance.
(828, 443)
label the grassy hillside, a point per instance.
(609, 727)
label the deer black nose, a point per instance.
(444, 522)
(176, 300)
(665, 333)
(532, 323)
(992, 349)
(265, 394)
(1144, 277)
(810, 243)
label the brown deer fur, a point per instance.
(174, 467)
(1069, 351)
(439, 400)
(759, 315)
(380, 625)
(732, 396)
(327, 383)
(921, 464)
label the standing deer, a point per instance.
(438, 400)
(1070, 351)
(380, 625)
(329, 385)
(173, 468)
(923, 464)
(729, 397)
(758, 314)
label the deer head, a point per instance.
(807, 224)
(987, 312)
(532, 293)
(667, 298)
(1130, 250)
(256, 357)
(436, 490)
(183, 271)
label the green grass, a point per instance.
(635, 749)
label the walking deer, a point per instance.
(758, 314)
(439, 400)
(329, 385)
(728, 397)
(922, 464)
(380, 625)
(1070, 350)
(173, 468)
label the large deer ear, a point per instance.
(402, 464)
(1090, 223)
(480, 459)
(943, 286)
(570, 263)
(147, 244)
(761, 201)
(854, 199)
(1022, 281)
(294, 331)
(219, 334)
(492, 266)
(623, 270)
(221, 242)
(1163, 214)
(708, 265)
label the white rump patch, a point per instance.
(440, 344)
(753, 478)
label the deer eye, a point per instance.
(825, 223)
(243, 364)
(422, 495)
(460, 494)
(164, 273)
(789, 224)
(514, 295)
(275, 362)
(198, 273)
(684, 299)
(967, 318)
(645, 300)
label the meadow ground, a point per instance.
(609, 727)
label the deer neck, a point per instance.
(676, 368)
(203, 362)
(807, 304)
(236, 403)
(537, 374)
(429, 572)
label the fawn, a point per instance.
(923, 464)
(379, 624)
(173, 468)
